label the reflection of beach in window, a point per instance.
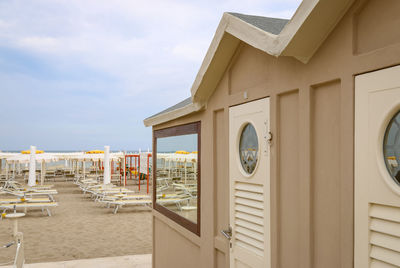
(391, 147)
(248, 148)
(177, 174)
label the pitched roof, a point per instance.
(300, 37)
(271, 25)
(179, 105)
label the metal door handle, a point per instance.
(227, 233)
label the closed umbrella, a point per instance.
(32, 167)
(107, 171)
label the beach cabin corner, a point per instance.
(286, 154)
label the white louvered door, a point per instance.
(377, 164)
(249, 184)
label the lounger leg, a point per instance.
(116, 209)
(48, 212)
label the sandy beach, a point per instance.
(79, 229)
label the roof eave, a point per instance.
(171, 115)
(309, 27)
(300, 38)
(216, 59)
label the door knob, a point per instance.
(227, 233)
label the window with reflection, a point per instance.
(248, 148)
(391, 148)
(177, 174)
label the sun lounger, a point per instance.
(118, 203)
(174, 201)
(125, 197)
(138, 202)
(100, 194)
(17, 186)
(20, 200)
(31, 193)
(26, 205)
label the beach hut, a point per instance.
(298, 139)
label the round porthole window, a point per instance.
(391, 147)
(248, 148)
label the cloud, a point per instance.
(97, 64)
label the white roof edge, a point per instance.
(168, 116)
(267, 42)
(274, 45)
(286, 35)
(240, 29)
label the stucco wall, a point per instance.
(312, 119)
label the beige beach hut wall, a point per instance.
(320, 90)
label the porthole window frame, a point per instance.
(387, 177)
(239, 163)
(179, 130)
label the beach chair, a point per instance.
(125, 197)
(31, 193)
(50, 174)
(116, 178)
(135, 202)
(175, 201)
(25, 205)
(100, 194)
(21, 200)
(88, 186)
(190, 189)
(18, 186)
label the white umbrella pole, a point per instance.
(32, 167)
(13, 169)
(6, 170)
(124, 169)
(83, 169)
(42, 172)
(107, 171)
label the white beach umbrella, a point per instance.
(107, 171)
(32, 167)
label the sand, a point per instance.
(79, 229)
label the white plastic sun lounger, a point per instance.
(30, 194)
(99, 194)
(20, 200)
(126, 197)
(26, 205)
(120, 203)
(174, 201)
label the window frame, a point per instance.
(179, 130)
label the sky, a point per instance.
(81, 74)
(186, 143)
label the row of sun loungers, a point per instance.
(111, 195)
(25, 197)
(25, 205)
